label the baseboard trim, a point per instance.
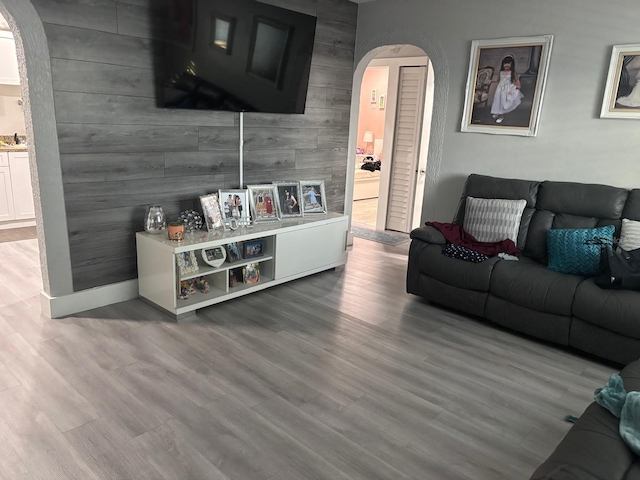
(57, 307)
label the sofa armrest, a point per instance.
(429, 235)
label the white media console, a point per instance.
(293, 248)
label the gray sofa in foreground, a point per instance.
(593, 448)
(526, 296)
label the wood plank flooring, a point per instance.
(341, 375)
(365, 211)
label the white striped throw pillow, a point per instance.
(493, 219)
(629, 234)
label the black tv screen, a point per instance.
(236, 55)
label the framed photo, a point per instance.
(269, 41)
(622, 92)
(234, 205)
(264, 202)
(505, 85)
(233, 252)
(253, 249)
(187, 262)
(374, 95)
(289, 198)
(251, 273)
(313, 197)
(221, 31)
(214, 256)
(211, 211)
(381, 102)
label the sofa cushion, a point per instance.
(630, 234)
(575, 250)
(454, 272)
(632, 207)
(532, 285)
(615, 310)
(482, 186)
(582, 200)
(493, 219)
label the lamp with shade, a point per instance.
(368, 140)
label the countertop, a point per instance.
(13, 148)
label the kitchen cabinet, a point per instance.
(9, 74)
(16, 194)
(23, 206)
(6, 195)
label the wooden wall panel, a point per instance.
(94, 15)
(110, 167)
(94, 46)
(88, 138)
(91, 77)
(120, 152)
(127, 110)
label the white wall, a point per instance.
(573, 143)
(11, 114)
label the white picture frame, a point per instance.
(314, 198)
(211, 211)
(289, 198)
(264, 203)
(515, 110)
(622, 90)
(234, 205)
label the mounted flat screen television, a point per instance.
(236, 55)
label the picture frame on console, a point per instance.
(313, 197)
(506, 84)
(234, 204)
(211, 211)
(289, 198)
(264, 203)
(622, 90)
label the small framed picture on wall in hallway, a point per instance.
(374, 95)
(505, 85)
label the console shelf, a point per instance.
(293, 248)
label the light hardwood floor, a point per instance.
(341, 375)
(365, 211)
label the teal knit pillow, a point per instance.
(573, 250)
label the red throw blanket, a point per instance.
(456, 235)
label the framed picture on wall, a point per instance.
(622, 91)
(505, 85)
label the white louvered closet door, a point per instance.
(406, 146)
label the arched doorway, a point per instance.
(44, 157)
(395, 104)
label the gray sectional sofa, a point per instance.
(526, 296)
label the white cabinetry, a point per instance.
(293, 248)
(21, 185)
(16, 194)
(6, 195)
(9, 74)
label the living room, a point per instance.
(104, 153)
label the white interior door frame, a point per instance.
(394, 65)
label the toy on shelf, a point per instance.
(202, 285)
(184, 290)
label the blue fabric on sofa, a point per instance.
(575, 251)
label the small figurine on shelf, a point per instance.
(184, 291)
(202, 285)
(192, 284)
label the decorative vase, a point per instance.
(155, 220)
(176, 231)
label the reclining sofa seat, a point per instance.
(526, 296)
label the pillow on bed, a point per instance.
(575, 250)
(493, 219)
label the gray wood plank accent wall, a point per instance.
(121, 153)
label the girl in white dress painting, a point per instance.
(508, 95)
